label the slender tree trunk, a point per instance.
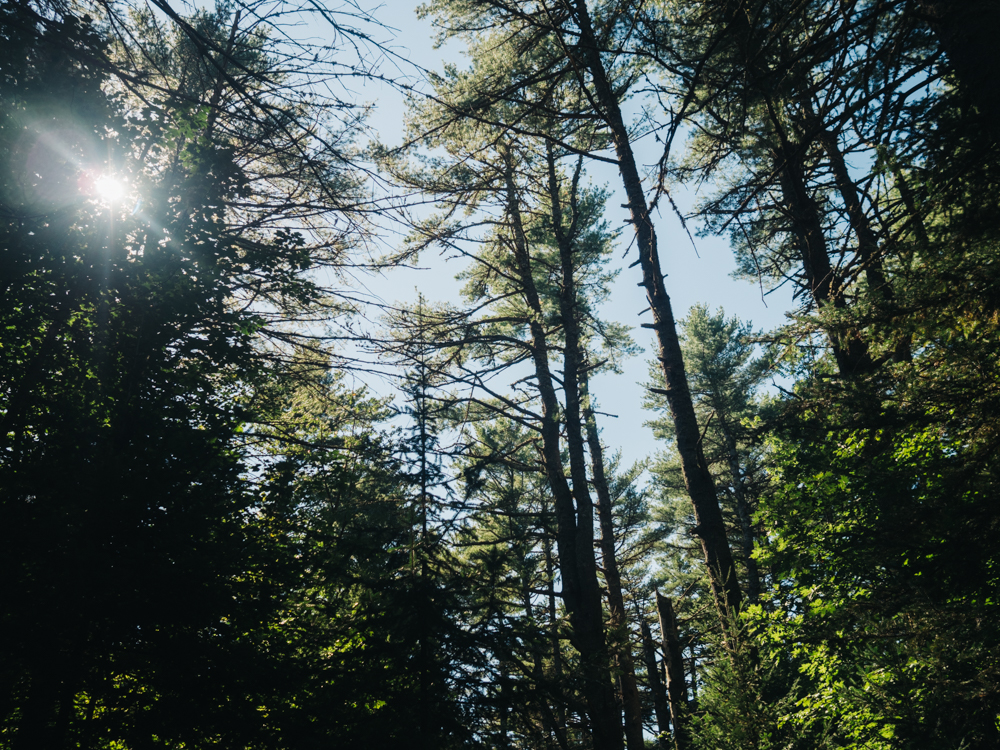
(825, 285)
(674, 668)
(505, 708)
(220, 82)
(868, 249)
(572, 367)
(661, 708)
(743, 510)
(709, 528)
(868, 245)
(693, 681)
(574, 510)
(612, 577)
(34, 731)
(12, 421)
(47, 712)
(916, 219)
(559, 713)
(545, 717)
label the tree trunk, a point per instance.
(542, 709)
(868, 249)
(709, 528)
(572, 367)
(825, 285)
(868, 245)
(674, 669)
(612, 577)
(743, 510)
(967, 31)
(574, 521)
(661, 708)
(559, 710)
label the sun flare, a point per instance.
(109, 189)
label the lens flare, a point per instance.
(109, 189)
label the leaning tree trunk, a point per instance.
(709, 528)
(825, 284)
(826, 287)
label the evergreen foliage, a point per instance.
(214, 534)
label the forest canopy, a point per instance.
(247, 504)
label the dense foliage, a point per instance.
(203, 533)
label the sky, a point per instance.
(695, 274)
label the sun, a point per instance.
(109, 189)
